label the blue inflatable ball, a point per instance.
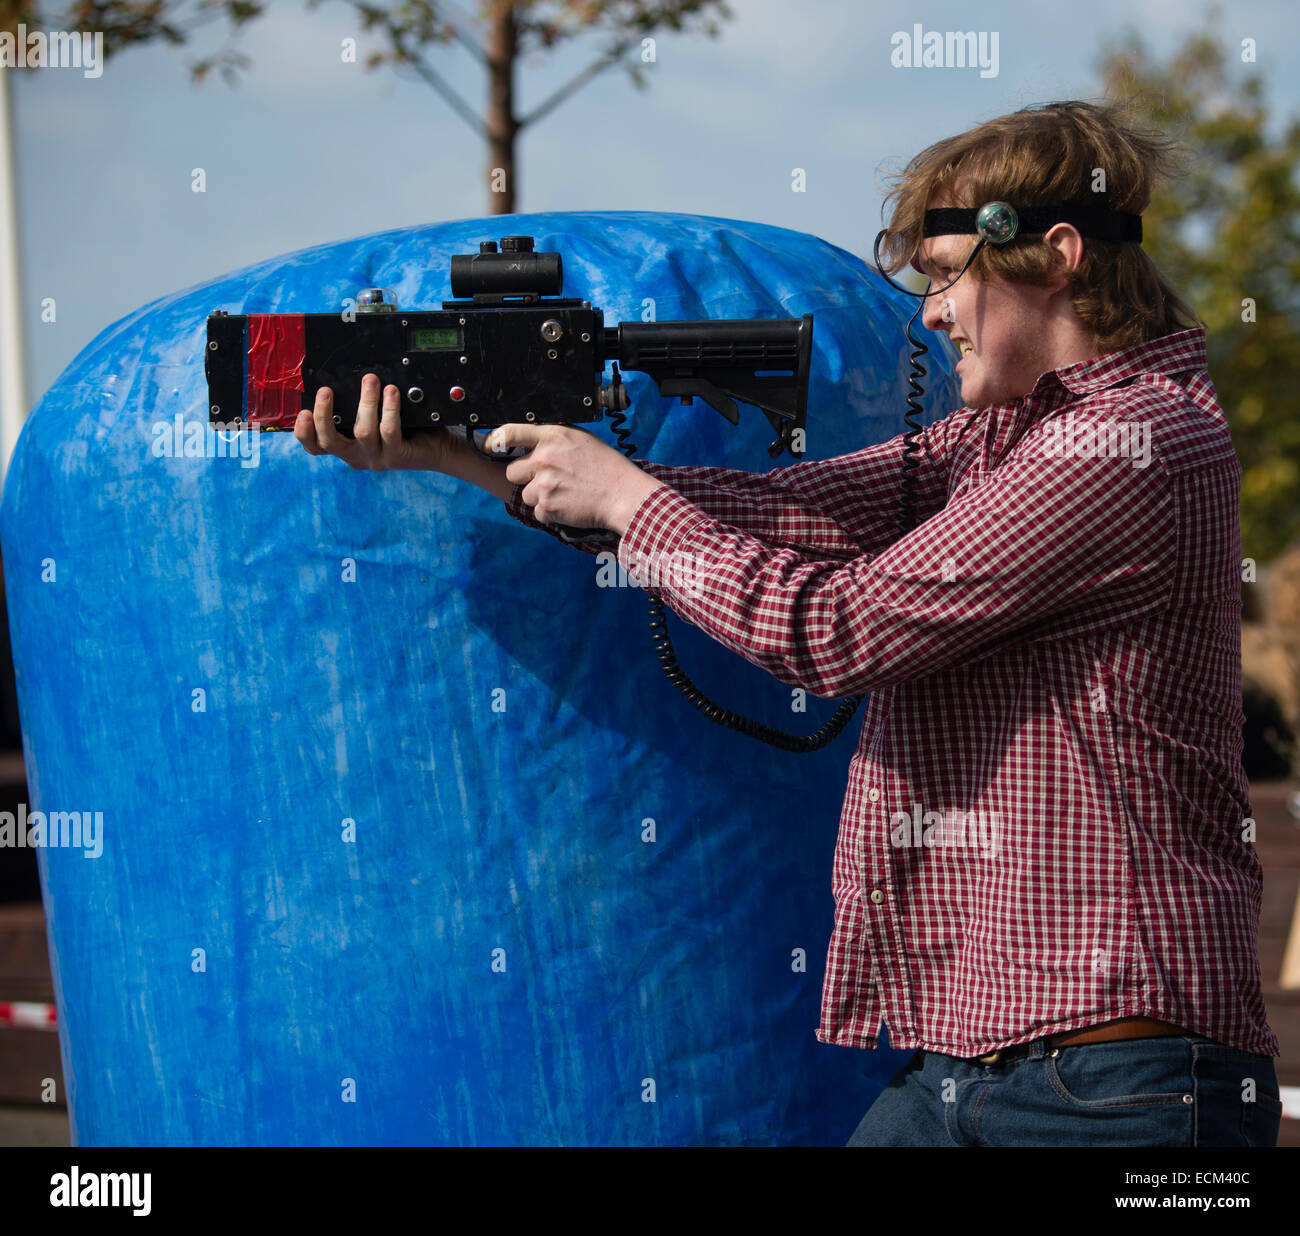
(393, 830)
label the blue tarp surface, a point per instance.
(372, 866)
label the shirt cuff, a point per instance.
(516, 509)
(652, 542)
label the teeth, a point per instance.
(964, 347)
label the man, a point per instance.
(1045, 879)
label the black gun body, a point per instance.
(480, 366)
(473, 367)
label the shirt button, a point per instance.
(873, 795)
(877, 896)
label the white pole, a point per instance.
(13, 383)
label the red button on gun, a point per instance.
(457, 393)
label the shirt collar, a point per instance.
(1170, 354)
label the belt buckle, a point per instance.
(992, 1058)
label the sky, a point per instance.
(307, 149)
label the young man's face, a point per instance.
(1005, 324)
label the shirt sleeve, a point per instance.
(831, 508)
(1034, 552)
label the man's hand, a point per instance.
(571, 477)
(379, 445)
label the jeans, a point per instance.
(1182, 1090)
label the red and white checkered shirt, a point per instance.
(1047, 822)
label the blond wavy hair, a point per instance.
(1040, 156)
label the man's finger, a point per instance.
(304, 429)
(323, 417)
(369, 401)
(522, 470)
(366, 430)
(503, 437)
(390, 426)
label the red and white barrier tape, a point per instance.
(27, 1014)
(42, 1017)
(1290, 1096)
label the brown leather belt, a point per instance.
(1107, 1032)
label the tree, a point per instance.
(1228, 237)
(407, 32)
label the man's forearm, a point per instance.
(465, 465)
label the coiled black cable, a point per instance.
(911, 444)
(661, 641)
(799, 744)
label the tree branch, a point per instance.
(574, 84)
(463, 109)
(477, 49)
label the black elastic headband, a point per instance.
(1095, 221)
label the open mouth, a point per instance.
(965, 347)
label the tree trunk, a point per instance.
(501, 123)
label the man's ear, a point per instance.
(1064, 238)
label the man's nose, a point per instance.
(932, 316)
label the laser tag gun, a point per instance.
(508, 350)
